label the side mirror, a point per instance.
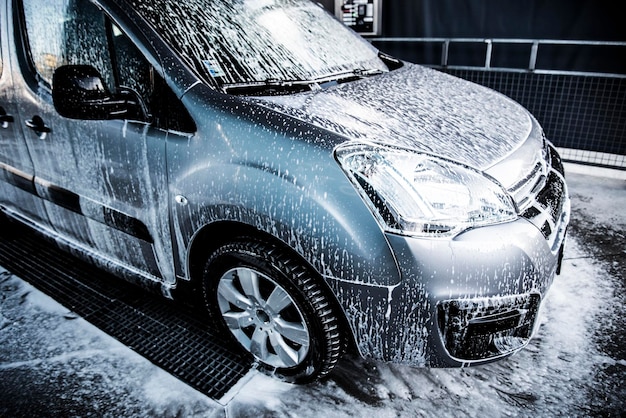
(79, 92)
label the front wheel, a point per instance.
(275, 308)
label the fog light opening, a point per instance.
(484, 328)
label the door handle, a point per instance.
(38, 125)
(4, 118)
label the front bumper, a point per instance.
(465, 301)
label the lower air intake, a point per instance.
(483, 328)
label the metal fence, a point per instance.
(582, 108)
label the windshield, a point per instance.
(235, 42)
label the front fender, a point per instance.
(321, 218)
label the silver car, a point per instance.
(256, 157)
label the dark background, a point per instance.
(585, 20)
(531, 19)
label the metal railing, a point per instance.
(534, 46)
(582, 111)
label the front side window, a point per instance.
(245, 41)
(133, 71)
(61, 32)
(76, 32)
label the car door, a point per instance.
(103, 181)
(17, 192)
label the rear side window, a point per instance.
(61, 32)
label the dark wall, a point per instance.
(530, 19)
(328, 4)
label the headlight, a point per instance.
(418, 194)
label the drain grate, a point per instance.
(163, 332)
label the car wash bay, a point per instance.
(77, 342)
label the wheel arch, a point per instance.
(216, 234)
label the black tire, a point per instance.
(274, 308)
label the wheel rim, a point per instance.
(263, 317)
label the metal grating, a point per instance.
(165, 333)
(593, 157)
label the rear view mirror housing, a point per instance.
(79, 92)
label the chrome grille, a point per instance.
(524, 190)
(545, 204)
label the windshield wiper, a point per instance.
(367, 72)
(270, 87)
(276, 87)
(347, 76)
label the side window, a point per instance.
(61, 32)
(1, 52)
(168, 111)
(133, 71)
(76, 32)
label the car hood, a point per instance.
(417, 108)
